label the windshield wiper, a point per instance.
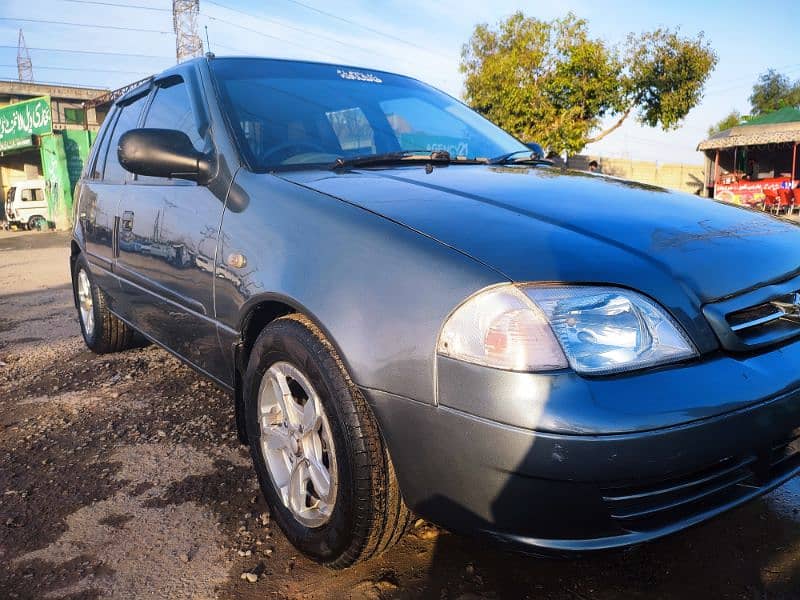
(527, 158)
(406, 156)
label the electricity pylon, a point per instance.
(24, 64)
(188, 43)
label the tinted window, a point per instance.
(100, 155)
(291, 113)
(128, 119)
(170, 109)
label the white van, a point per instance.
(26, 204)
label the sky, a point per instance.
(421, 38)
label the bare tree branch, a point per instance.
(614, 127)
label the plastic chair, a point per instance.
(770, 200)
(796, 198)
(785, 201)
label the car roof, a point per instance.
(29, 183)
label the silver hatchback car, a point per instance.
(415, 312)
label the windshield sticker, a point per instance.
(418, 141)
(358, 76)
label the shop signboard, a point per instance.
(21, 121)
(743, 191)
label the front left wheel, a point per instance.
(321, 462)
(102, 331)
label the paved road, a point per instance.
(120, 477)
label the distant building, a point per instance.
(45, 133)
(756, 162)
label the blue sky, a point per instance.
(421, 38)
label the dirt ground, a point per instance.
(121, 477)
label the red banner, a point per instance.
(748, 192)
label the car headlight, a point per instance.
(595, 330)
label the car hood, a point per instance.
(539, 224)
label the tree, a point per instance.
(551, 82)
(772, 91)
(732, 120)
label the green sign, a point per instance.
(20, 121)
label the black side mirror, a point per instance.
(163, 153)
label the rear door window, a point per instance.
(99, 158)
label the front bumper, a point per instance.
(579, 492)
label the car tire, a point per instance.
(102, 331)
(363, 513)
(36, 222)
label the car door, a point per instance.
(101, 190)
(167, 245)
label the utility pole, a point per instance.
(24, 64)
(188, 43)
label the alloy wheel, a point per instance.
(86, 302)
(297, 444)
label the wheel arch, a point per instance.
(74, 253)
(255, 315)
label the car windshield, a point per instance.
(288, 114)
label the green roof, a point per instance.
(787, 114)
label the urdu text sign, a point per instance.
(20, 121)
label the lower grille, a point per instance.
(641, 507)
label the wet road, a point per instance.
(120, 477)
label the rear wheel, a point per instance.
(37, 222)
(322, 465)
(102, 331)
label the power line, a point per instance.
(365, 27)
(64, 83)
(791, 68)
(119, 5)
(96, 52)
(87, 25)
(83, 70)
(292, 27)
(274, 37)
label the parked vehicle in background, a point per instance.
(26, 204)
(413, 312)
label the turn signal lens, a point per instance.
(501, 328)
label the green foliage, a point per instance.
(773, 91)
(732, 120)
(550, 81)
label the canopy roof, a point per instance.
(780, 126)
(787, 114)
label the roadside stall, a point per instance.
(756, 163)
(45, 135)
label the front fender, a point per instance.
(379, 290)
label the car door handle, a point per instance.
(127, 220)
